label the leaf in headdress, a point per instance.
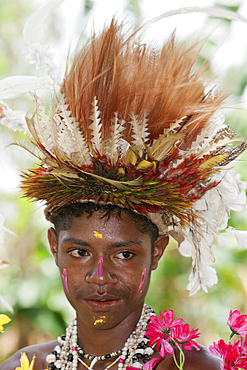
(163, 145)
(118, 184)
(54, 127)
(29, 150)
(139, 126)
(118, 132)
(40, 122)
(31, 128)
(113, 144)
(80, 149)
(65, 143)
(50, 162)
(65, 173)
(96, 125)
(212, 162)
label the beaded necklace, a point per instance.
(99, 358)
(134, 353)
(92, 364)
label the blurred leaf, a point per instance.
(88, 6)
(134, 7)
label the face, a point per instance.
(107, 264)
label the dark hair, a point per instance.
(62, 219)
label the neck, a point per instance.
(129, 335)
(100, 341)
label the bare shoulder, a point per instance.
(39, 350)
(194, 360)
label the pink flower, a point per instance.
(159, 332)
(184, 336)
(231, 355)
(244, 347)
(150, 364)
(237, 323)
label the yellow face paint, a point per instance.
(97, 235)
(100, 320)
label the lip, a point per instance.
(102, 302)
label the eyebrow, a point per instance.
(111, 246)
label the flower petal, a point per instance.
(24, 361)
(32, 363)
(4, 319)
(150, 364)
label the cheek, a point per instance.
(143, 279)
(64, 276)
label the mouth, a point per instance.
(102, 303)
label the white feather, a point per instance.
(42, 57)
(202, 276)
(34, 28)
(12, 87)
(14, 120)
(96, 125)
(240, 236)
(212, 11)
(33, 32)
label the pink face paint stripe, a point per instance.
(143, 278)
(64, 276)
(100, 267)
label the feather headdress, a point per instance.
(138, 129)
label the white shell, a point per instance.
(149, 351)
(50, 358)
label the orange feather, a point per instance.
(127, 77)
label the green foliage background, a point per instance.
(32, 284)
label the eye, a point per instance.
(125, 255)
(79, 252)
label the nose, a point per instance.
(101, 272)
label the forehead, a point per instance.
(115, 228)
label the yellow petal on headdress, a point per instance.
(25, 362)
(143, 165)
(164, 144)
(4, 319)
(121, 171)
(212, 162)
(129, 157)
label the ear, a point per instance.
(52, 238)
(158, 249)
